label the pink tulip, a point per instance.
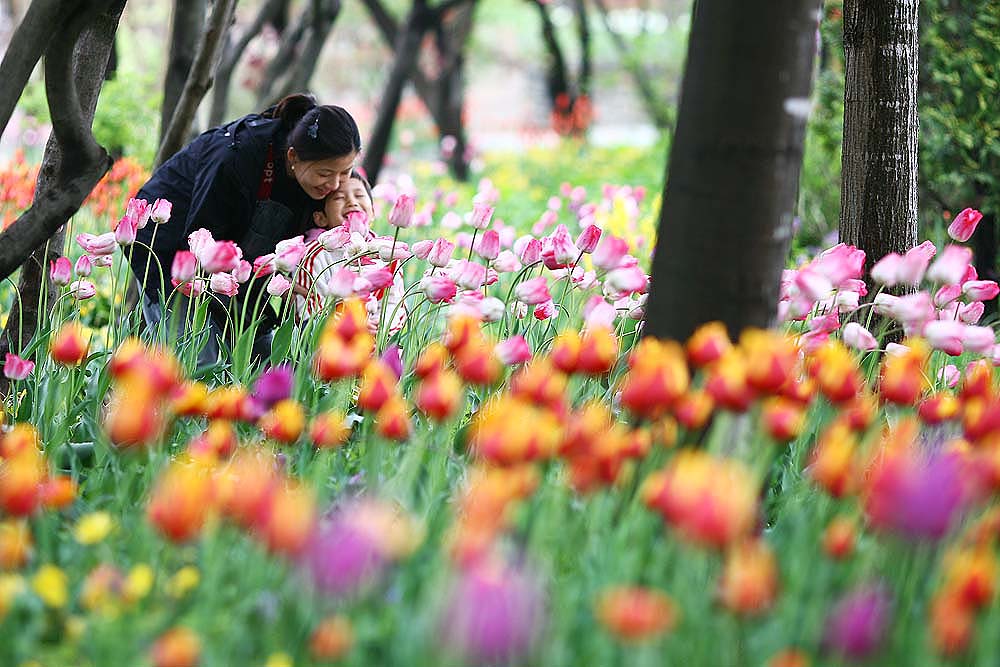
(469, 275)
(627, 280)
(950, 375)
(242, 271)
(184, 266)
(964, 224)
(530, 251)
(278, 285)
(947, 294)
(451, 220)
(224, 283)
(587, 241)
(83, 267)
(378, 277)
(825, 323)
(598, 313)
(491, 309)
(199, 240)
(978, 339)
(102, 261)
(104, 244)
(438, 288)
(945, 335)
(914, 310)
(334, 239)
(401, 214)
(886, 270)
(896, 350)
(82, 289)
(288, 254)
(885, 304)
(482, 214)
(159, 213)
(858, 337)
(813, 284)
(357, 222)
(970, 313)
(533, 292)
(341, 283)
(440, 252)
(421, 249)
(61, 271)
(609, 252)
(192, 288)
(544, 311)
(125, 231)
(950, 266)
(506, 262)
(488, 246)
(137, 211)
(512, 351)
(840, 264)
(16, 368)
(914, 264)
(263, 266)
(980, 290)
(564, 251)
(389, 250)
(219, 256)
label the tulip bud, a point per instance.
(83, 266)
(219, 256)
(184, 266)
(401, 214)
(481, 215)
(224, 283)
(587, 241)
(61, 271)
(278, 285)
(125, 231)
(69, 346)
(160, 211)
(16, 368)
(489, 245)
(440, 252)
(82, 289)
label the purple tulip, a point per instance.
(857, 623)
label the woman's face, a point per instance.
(350, 196)
(320, 177)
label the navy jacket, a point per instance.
(213, 183)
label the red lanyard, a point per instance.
(267, 178)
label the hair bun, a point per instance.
(292, 108)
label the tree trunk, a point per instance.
(448, 93)
(59, 191)
(283, 59)
(556, 75)
(878, 203)
(728, 203)
(188, 19)
(583, 31)
(324, 15)
(199, 79)
(407, 50)
(270, 12)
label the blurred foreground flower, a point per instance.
(636, 614)
(858, 622)
(177, 647)
(494, 612)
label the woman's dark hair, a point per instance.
(316, 132)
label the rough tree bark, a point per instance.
(75, 67)
(199, 79)
(269, 12)
(188, 19)
(878, 203)
(729, 198)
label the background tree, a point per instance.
(878, 203)
(76, 59)
(442, 91)
(420, 18)
(569, 99)
(188, 17)
(729, 197)
(199, 79)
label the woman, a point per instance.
(255, 181)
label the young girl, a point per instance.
(346, 215)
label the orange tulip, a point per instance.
(782, 418)
(378, 385)
(329, 430)
(58, 492)
(332, 639)
(70, 345)
(21, 482)
(439, 394)
(178, 647)
(565, 354)
(180, 502)
(636, 614)
(284, 422)
(15, 544)
(707, 344)
(833, 463)
(598, 351)
(749, 579)
(836, 372)
(289, 521)
(839, 538)
(392, 421)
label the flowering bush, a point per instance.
(508, 472)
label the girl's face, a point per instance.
(319, 178)
(350, 196)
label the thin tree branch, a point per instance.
(325, 13)
(283, 60)
(199, 80)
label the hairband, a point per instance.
(314, 128)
